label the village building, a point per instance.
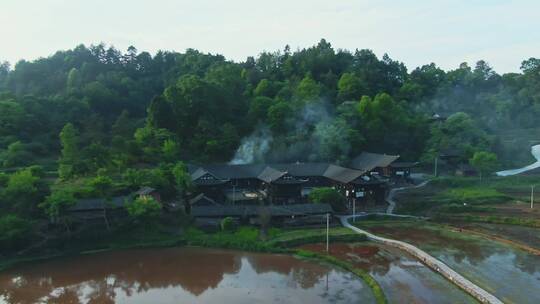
(401, 171)
(88, 210)
(288, 184)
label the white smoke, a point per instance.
(253, 148)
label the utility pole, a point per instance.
(354, 210)
(436, 164)
(532, 197)
(327, 230)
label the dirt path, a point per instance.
(392, 193)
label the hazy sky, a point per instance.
(446, 32)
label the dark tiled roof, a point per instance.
(368, 161)
(202, 197)
(275, 172)
(303, 169)
(226, 171)
(341, 174)
(88, 204)
(270, 174)
(275, 210)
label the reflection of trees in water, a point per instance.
(130, 271)
(99, 278)
(527, 263)
(306, 275)
(459, 248)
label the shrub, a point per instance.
(144, 209)
(228, 224)
(328, 195)
(13, 231)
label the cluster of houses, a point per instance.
(246, 192)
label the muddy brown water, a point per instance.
(509, 273)
(402, 278)
(180, 275)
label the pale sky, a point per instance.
(446, 32)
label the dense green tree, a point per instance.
(328, 195)
(278, 115)
(16, 155)
(459, 133)
(183, 184)
(258, 109)
(484, 162)
(56, 206)
(14, 231)
(12, 117)
(144, 210)
(308, 89)
(70, 151)
(24, 191)
(350, 87)
(170, 150)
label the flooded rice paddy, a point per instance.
(180, 275)
(510, 274)
(402, 278)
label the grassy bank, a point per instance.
(491, 219)
(500, 200)
(370, 281)
(91, 241)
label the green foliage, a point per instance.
(144, 209)
(170, 150)
(308, 89)
(277, 116)
(327, 195)
(24, 191)
(350, 87)
(459, 132)
(484, 162)
(16, 155)
(12, 117)
(101, 186)
(56, 205)
(228, 224)
(472, 195)
(13, 231)
(70, 151)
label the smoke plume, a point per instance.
(253, 148)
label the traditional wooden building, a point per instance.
(402, 170)
(374, 163)
(291, 183)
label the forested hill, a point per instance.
(122, 109)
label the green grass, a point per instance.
(488, 219)
(465, 194)
(471, 196)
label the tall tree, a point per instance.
(70, 151)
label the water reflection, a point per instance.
(402, 278)
(489, 264)
(188, 275)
